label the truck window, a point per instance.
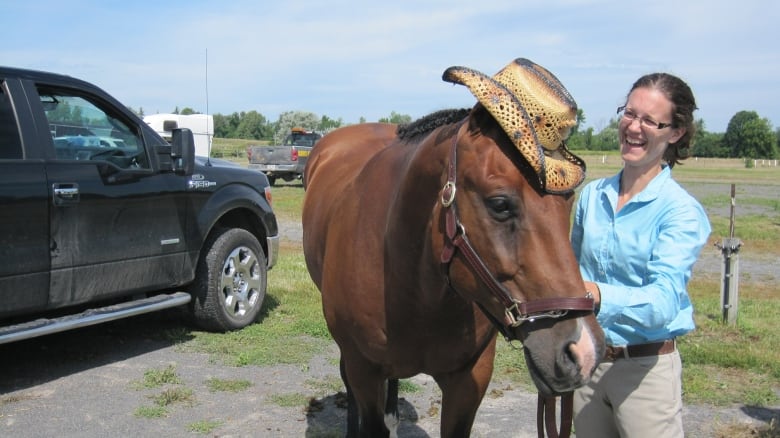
(83, 130)
(10, 143)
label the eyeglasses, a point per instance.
(630, 116)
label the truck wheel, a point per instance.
(230, 282)
(271, 180)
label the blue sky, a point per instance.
(351, 59)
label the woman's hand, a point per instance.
(593, 289)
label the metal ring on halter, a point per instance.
(450, 189)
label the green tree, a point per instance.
(607, 139)
(750, 136)
(778, 138)
(709, 144)
(252, 126)
(327, 124)
(221, 126)
(589, 138)
(226, 126)
(294, 119)
(706, 144)
(396, 118)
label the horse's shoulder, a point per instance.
(350, 147)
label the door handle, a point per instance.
(65, 193)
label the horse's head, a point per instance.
(505, 212)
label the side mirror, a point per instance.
(183, 151)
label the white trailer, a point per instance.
(201, 125)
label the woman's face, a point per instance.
(642, 144)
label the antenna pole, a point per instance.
(209, 134)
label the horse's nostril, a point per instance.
(571, 354)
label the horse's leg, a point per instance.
(462, 392)
(391, 407)
(353, 421)
(368, 395)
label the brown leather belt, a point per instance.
(639, 350)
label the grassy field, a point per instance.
(723, 364)
(232, 148)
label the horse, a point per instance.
(426, 240)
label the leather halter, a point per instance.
(515, 312)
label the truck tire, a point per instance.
(271, 180)
(230, 282)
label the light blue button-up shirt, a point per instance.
(640, 257)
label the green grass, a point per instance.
(328, 385)
(164, 400)
(227, 385)
(151, 412)
(232, 148)
(173, 396)
(290, 400)
(204, 427)
(408, 387)
(155, 378)
(292, 329)
(723, 365)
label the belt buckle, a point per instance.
(614, 353)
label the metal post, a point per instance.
(729, 288)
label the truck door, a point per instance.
(117, 226)
(24, 220)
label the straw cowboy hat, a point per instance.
(536, 112)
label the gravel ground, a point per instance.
(82, 384)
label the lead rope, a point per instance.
(546, 418)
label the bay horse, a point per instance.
(428, 239)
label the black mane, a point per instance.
(426, 124)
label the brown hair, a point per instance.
(683, 105)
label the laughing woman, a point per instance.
(637, 235)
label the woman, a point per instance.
(636, 236)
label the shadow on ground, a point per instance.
(327, 416)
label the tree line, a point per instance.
(748, 135)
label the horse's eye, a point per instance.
(500, 207)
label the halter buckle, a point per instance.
(515, 318)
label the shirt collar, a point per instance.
(611, 186)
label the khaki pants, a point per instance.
(632, 398)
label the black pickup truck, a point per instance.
(100, 218)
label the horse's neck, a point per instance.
(413, 211)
